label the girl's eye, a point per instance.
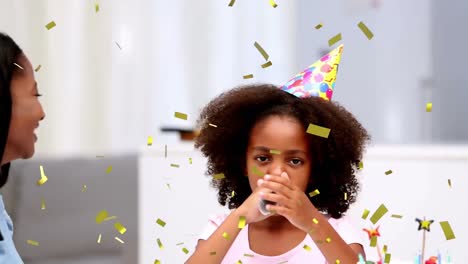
(261, 158)
(296, 162)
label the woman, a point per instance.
(20, 113)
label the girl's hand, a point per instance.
(291, 202)
(250, 209)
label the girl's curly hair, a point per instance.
(334, 160)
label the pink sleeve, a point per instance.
(214, 221)
(349, 231)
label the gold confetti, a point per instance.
(32, 242)
(450, 183)
(318, 131)
(261, 50)
(180, 115)
(306, 247)
(175, 165)
(365, 214)
(99, 239)
(388, 172)
(387, 258)
(381, 211)
(120, 228)
(241, 222)
(314, 193)
(50, 25)
(96, 7)
(44, 178)
(448, 232)
(319, 26)
(190, 160)
(185, 250)
(110, 218)
(248, 255)
(212, 253)
(157, 261)
(328, 240)
(273, 4)
(160, 222)
(345, 196)
(219, 176)
(232, 2)
(334, 39)
(120, 240)
(248, 76)
(373, 241)
(181, 243)
(276, 152)
(384, 249)
(160, 245)
(233, 193)
(429, 107)
(165, 151)
(396, 216)
(37, 68)
(361, 165)
(101, 216)
(118, 45)
(84, 188)
(239, 262)
(43, 206)
(17, 65)
(150, 141)
(109, 170)
(267, 64)
(366, 30)
(337, 261)
(226, 235)
(315, 221)
(212, 125)
(257, 172)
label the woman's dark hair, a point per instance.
(334, 160)
(9, 53)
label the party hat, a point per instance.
(318, 79)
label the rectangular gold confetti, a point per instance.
(328, 240)
(157, 261)
(118, 45)
(96, 7)
(17, 65)
(120, 240)
(150, 141)
(448, 232)
(101, 216)
(212, 253)
(248, 76)
(165, 151)
(373, 241)
(44, 178)
(396, 216)
(318, 131)
(345, 196)
(261, 50)
(384, 249)
(337, 261)
(32, 242)
(307, 247)
(175, 165)
(43, 206)
(84, 188)
(38, 68)
(314, 193)
(315, 221)
(190, 160)
(233, 193)
(334, 39)
(160, 245)
(319, 26)
(241, 222)
(110, 218)
(180, 115)
(361, 165)
(387, 258)
(219, 176)
(109, 170)
(99, 239)
(267, 64)
(160, 222)
(212, 125)
(276, 152)
(232, 2)
(365, 214)
(379, 213)
(239, 262)
(429, 107)
(120, 228)
(248, 255)
(226, 235)
(273, 4)
(450, 183)
(257, 172)
(366, 30)
(388, 172)
(181, 243)
(50, 25)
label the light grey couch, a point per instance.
(66, 230)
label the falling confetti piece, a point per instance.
(345, 196)
(315, 221)
(44, 178)
(37, 68)
(450, 183)
(387, 258)
(337, 261)
(257, 172)
(190, 160)
(319, 26)
(248, 76)
(448, 232)
(232, 2)
(373, 241)
(328, 240)
(384, 249)
(120, 240)
(273, 4)
(233, 193)
(212, 125)
(365, 214)
(314, 193)
(157, 261)
(168, 186)
(276, 152)
(306, 247)
(84, 188)
(396, 216)
(226, 235)
(180, 115)
(118, 45)
(160, 245)
(43, 206)
(17, 65)
(267, 64)
(160, 222)
(241, 222)
(261, 50)
(239, 262)
(429, 107)
(334, 39)
(361, 165)
(219, 176)
(96, 7)
(366, 30)
(248, 255)
(185, 250)
(109, 170)
(33, 243)
(165, 151)
(110, 218)
(388, 172)
(150, 141)
(381, 211)
(50, 25)
(318, 131)
(99, 239)
(212, 253)
(101, 216)
(181, 243)
(175, 165)
(120, 228)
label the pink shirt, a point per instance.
(299, 255)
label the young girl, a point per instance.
(261, 145)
